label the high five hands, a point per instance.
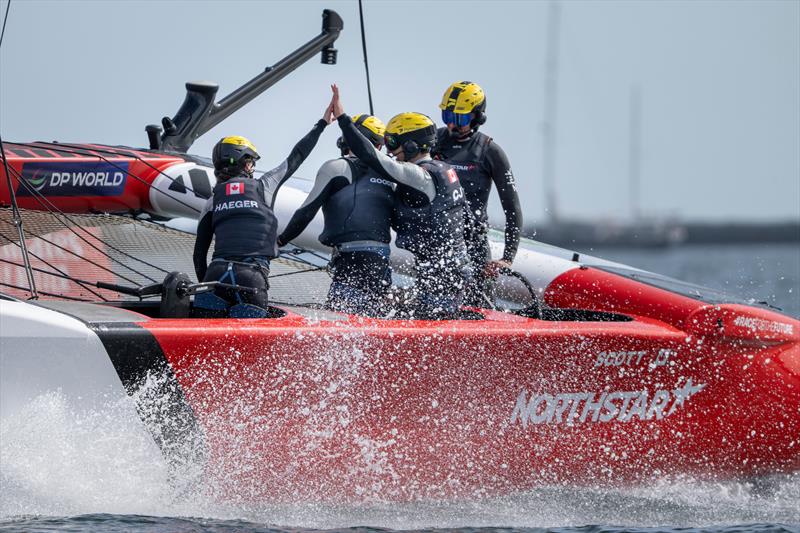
(334, 109)
(336, 103)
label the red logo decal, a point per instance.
(452, 176)
(234, 188)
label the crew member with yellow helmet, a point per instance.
(479, 162)
(240, 218)
(357, 207)
(429, 206)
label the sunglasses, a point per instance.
(459, 119)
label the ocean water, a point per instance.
(65, 468)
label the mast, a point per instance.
(550, 107)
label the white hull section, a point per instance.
(38, 347)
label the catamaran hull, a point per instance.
(332, 408)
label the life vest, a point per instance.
(244, 225)
(360, 211)
(437, 227)
(468, 158)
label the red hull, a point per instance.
(140, 168)
(303, 409)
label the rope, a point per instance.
(315, 269)
(45, 293)
(101, 267)
(366, 63)
(51, 266)
(5, 19)
(86, 283)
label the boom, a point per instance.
(199, 113)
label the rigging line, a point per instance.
(88, 284)
(104, 253)
(55, 267)
(298, 250)
(298, 272)
(110, 150)
(56, 212)
(101, 267)
(127, 172)
(51, 266)
(18, 223)
(41, 198)
(366, 63)
(46, 293)
(5, 19)
(14, 207)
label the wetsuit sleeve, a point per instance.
(503, 178)
(408, 174)
(205, 232)
(274, 178)
(332, 176)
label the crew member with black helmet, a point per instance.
(239, 216)
(429, 206)
(479, 161)
(357, 207)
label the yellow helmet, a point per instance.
(370, 127)
(373, 128)
(231, 153)
(414, 132)
(462, 98)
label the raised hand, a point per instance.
(338, 108)
(328, 115)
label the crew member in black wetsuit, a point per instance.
(479, 162)
(239, 216)
(357, 206)
(429, 206)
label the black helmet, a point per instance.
(230, 155)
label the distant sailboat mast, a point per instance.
(550, 104)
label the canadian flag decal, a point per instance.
(234, 188)
(452, 176)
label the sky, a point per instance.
(719, 82)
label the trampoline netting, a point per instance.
(69, 253)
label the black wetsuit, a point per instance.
(239, 216)
(357, 205)
(428, 218)
(480, 162)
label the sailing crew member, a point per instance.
(357, 207)
(240, 218)
(429, 206)
(479, 161)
